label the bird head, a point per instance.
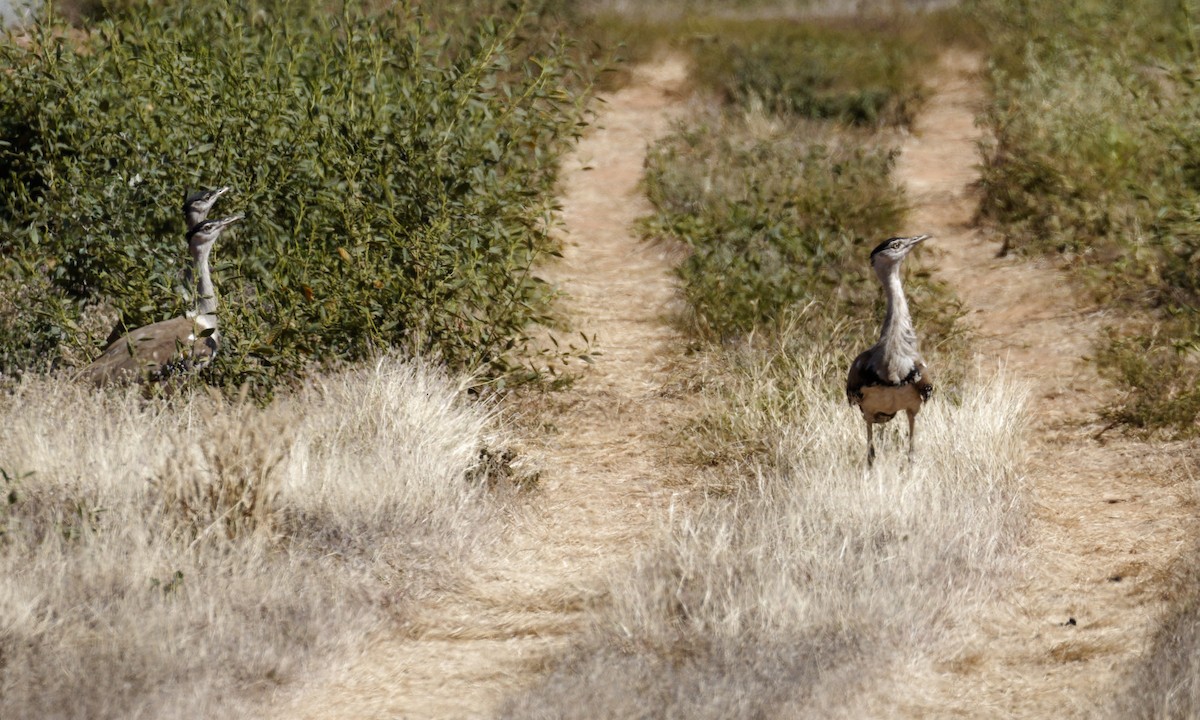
(206, 232)
(891, 251)
(197, 205)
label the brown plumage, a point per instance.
(196, 207)
(891, 376)
(157, 351)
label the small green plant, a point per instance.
(1160, 373)
(169, 586)
(80, 517)
(11, 484)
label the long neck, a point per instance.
(897, 339)
(206, 297)
(897, 319)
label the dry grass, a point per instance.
(178, 560)
(784, 595)
(1165, 682)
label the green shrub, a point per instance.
(1018, 30)
(1069, 157)
(397, 176)
(777, 215)
(852, 72)
(864, 72)
(1159, 373)
(1096, 154)
(1087, 118)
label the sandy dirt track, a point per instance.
(604, 473)
(1109, 515)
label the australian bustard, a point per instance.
(179, 344)
(197, 205)
(891, 376)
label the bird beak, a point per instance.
(915, 241)
(227, 221)
(221, 191)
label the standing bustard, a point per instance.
(183, 343)
(890, 376)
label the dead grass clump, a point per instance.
(812, 576)
(319, 517)
(765, 382)
(1165, 683)
(378, 462)
(224, 473)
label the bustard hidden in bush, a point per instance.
(197, 205)
(156, 351)
(890, 376)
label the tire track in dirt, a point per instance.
(1107, 517)
(599, 447)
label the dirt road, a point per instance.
(598, 446)
(1108, 516)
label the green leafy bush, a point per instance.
(777, 214)
(1074, 165)
(864, 71)
(859, 73)
(397, 175)
(1159, 373)
(1096, 155)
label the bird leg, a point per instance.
(870, 446)
(912, 424)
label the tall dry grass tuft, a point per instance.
(382, 456)
(223, 473)
(179, 560)
(800, 584)
(1165, 682)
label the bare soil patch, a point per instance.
(1110, 514)
(600, 448)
